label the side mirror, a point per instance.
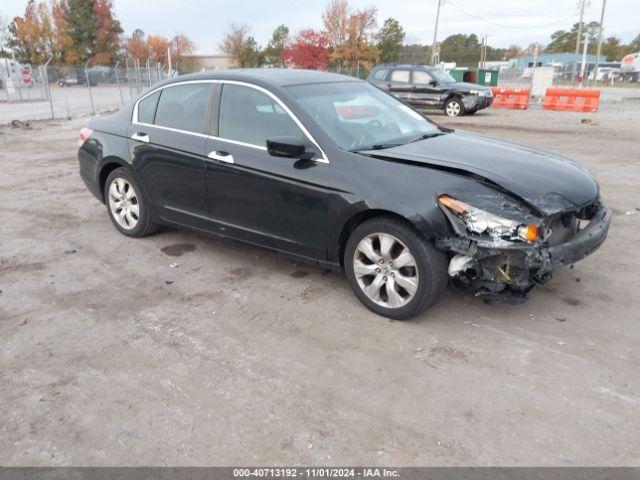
(433, 83)
(286, 146)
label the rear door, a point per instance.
(273, 201)
(426, 92)
(399, 84)
(168, 151)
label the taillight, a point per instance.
(85, 133)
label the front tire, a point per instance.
(392, 269)
(454, 108)
(127, 208)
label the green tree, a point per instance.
(563, 41)
(414, 53)
(460, 48)
(250, 55)
(82, 24)
(274, 49)
(390, 40)
(612, 49)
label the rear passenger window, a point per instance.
(250, 116)
(400, 76)
(184, 106)
(147, 108)
(380, 75)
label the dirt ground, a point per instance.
(236, 355)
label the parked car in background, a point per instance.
(77, 78)
(431, 88)
(630, 67)
(331, 170)
(603, 73)
(101, 74)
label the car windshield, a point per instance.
(359, 116)
(441, 76)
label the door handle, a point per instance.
(141, 137)
(222, 156)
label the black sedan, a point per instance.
(331, 170)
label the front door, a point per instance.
(168, 150)
(426, 92)
(273, 201)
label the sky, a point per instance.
(504, 21)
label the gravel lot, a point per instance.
(250, 358)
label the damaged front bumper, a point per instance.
(491, 267)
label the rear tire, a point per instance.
(126, 205)
(454, 108)
(392, 269)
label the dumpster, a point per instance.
(488, 78)
(458, 74)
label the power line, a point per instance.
(527, 13)
(520, 27)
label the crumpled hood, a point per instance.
(549, 182)
(466, 86)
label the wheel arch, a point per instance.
(416, 223)
(108, 165)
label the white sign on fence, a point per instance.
(11, 89)
(541, 80)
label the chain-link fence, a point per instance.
(29, 92)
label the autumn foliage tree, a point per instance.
(32, 34)
(351, 35)
(74, 31)
(141, 48)
(70, 31)
(309, 49)
(107, 34)
(181, 48)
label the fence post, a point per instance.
(46, 80)
(5, 78)
(126, 63)
(137, 75)
(148, 73)
(118, 82)
(86, 74)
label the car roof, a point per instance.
(405, 66)
(274, 77)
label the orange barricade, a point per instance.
(571, 99)
(507, 97)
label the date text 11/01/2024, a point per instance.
(328, 472)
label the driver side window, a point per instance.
(422, 78)
(250, 116)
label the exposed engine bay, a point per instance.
(502, 249)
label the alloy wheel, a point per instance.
(386, 270)
(123, 202)
(453, 109)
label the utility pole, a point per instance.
(435, 57)
(595, 72)
(583, 67)
(578, 38)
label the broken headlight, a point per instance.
(483, 222)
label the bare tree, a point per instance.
(235, 40)
(4, 35)
(335, 20)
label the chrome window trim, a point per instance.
(134, 116)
